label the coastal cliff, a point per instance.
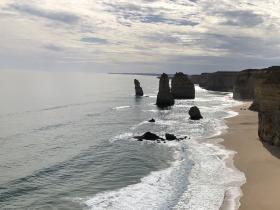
(164, 96)
(217, 81)
(244, 85)
(267, 93)
(182, 87)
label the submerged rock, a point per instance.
(152, 120)
(148, 136)
(138, 88)
(164, 97)
(194, 113)
(182, 87)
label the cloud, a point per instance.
(140, 35)
(53, 47)
(60, 16)
(242, 18)
(128, 12)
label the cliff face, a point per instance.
(244, 85)
(182, 87)
(164, 97)
(267, 92)
(138, 89)
(218, 81)
(195, 79)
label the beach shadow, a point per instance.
(274, 150)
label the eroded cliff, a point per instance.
(267, 92)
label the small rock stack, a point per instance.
(138, 88)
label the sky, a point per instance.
(147, 36)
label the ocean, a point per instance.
(66, 143)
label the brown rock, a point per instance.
(182, 87)
(268, 99)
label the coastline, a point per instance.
(259, 162)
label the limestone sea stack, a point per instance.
(138, 88)
(268, 95)
(164, 96)
(182, 87)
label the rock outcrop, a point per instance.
(170, 137)
(267, 92)
(138, 88)
(152, 120)
(148, 136)
(182, 87)
(164, 97)
(194, 113)
(217, 81)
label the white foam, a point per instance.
(159, 190)
(211, 179)
(206, 185)
(121, 107)
(123, 136)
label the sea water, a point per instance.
(67, 143)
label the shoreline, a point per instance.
(258, 161)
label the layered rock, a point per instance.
(244, 85)
(182, 87)
(217, 81)
(164, 96)
(138, 88)
(267, 91)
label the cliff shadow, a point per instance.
(274, 150)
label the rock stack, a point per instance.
(182, 87)
(268, 95)
(164, 97)
(138, 88)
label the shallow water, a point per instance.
(66, 144)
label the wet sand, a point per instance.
(259, 162)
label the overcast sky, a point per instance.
(139, 35)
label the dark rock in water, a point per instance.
(148, 136)
(194, 113)
(182, 87)
(138, 89)
(152, 120)
(164, 97)
(170, 137)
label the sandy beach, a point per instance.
(259, 162)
